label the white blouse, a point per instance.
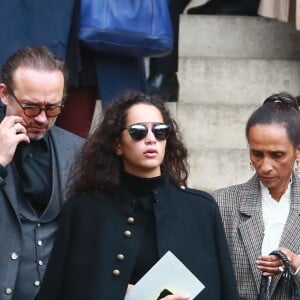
(275, 214)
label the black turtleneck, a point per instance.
(142, 191)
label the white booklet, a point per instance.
(169, 273)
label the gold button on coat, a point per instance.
(116, 273)
(120, 257)
(130, 220)
(127, 233)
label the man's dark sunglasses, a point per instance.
(139, 131)
(32, 110)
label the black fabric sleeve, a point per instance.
(229, 285)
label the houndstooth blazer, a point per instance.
(241, 212)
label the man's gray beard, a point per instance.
(35, 139)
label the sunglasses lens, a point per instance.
(32, 111)
(53, 111)
(137, 131)
(161, 131)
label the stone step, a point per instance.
(228, 65)
(213, 126)
(218, 154)
(237, 36)
(211, 169)
(235, 81)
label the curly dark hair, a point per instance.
(98, 166)
(281, 108)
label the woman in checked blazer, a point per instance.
(263, 214)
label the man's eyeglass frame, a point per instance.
(31, 110)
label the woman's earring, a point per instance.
(117, 149)
(297, 168)
(118, 152)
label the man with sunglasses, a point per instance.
(35, 158)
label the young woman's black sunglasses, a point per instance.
(139, 131)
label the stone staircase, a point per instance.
(228, 65)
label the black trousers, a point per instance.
(169, 63)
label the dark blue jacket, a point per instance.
(42, 22)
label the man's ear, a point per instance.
(3, 93)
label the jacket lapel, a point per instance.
(290, 237)
(252, 228)
(10, 189)
(62, 155)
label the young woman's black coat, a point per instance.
(84, 262)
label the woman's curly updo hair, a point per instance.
(98, 166)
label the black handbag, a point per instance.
(291, 282)
(138, 28)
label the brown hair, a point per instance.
(98, 167)
(36, 57)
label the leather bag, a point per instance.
(291, 281)
(126, 27)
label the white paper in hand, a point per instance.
(168, 273)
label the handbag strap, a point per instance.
(284, 259)
(264, 293)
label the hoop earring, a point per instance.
(297, 168)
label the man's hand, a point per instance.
(12, 132)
